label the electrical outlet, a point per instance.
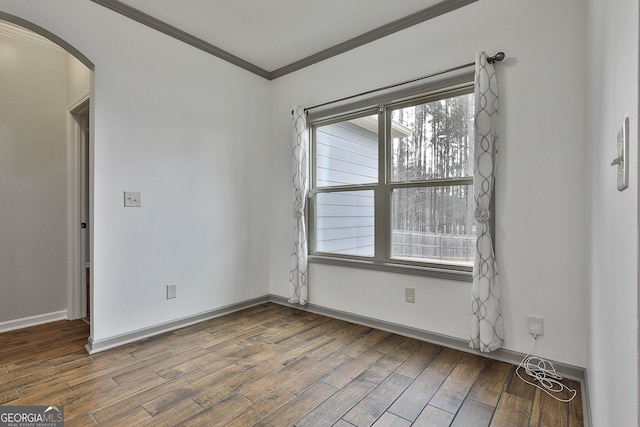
(171, 291)
(132, 199)
(534, 324)
(410, 295)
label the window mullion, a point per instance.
(381, 252)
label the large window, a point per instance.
(394, 184)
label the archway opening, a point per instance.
(44, 171)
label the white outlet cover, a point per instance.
(534, 324)
(171, 291)
(132, 199)
(410, 295)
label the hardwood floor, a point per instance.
(269, 365)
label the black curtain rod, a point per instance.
(495, 58)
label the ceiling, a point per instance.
(277, 36)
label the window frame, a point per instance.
(383, 188)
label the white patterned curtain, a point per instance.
(298, 279)
(486, 319)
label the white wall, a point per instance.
(540, 196)
(613, 223)
(32, 179)
(168, 123)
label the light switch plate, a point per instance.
(132, 199)
(623, 153)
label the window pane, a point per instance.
(347, 152)
(440, 141)
(345, 223)
(433, 224)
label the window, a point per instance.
(393, 185)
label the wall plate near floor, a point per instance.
(171, 291)
(534, 324)
(410, 295)
(132, 199)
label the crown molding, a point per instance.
(178, 34)
(137, 15)
(434, 11)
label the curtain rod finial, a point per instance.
(496, 58)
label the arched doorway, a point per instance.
(46, 181)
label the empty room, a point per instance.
(349, 213)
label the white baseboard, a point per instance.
(25, 322)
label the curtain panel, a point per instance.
(298, 278)
(486, 318)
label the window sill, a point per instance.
(439, 273)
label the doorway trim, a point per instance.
(78, 119)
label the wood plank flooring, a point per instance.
(269, 365)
